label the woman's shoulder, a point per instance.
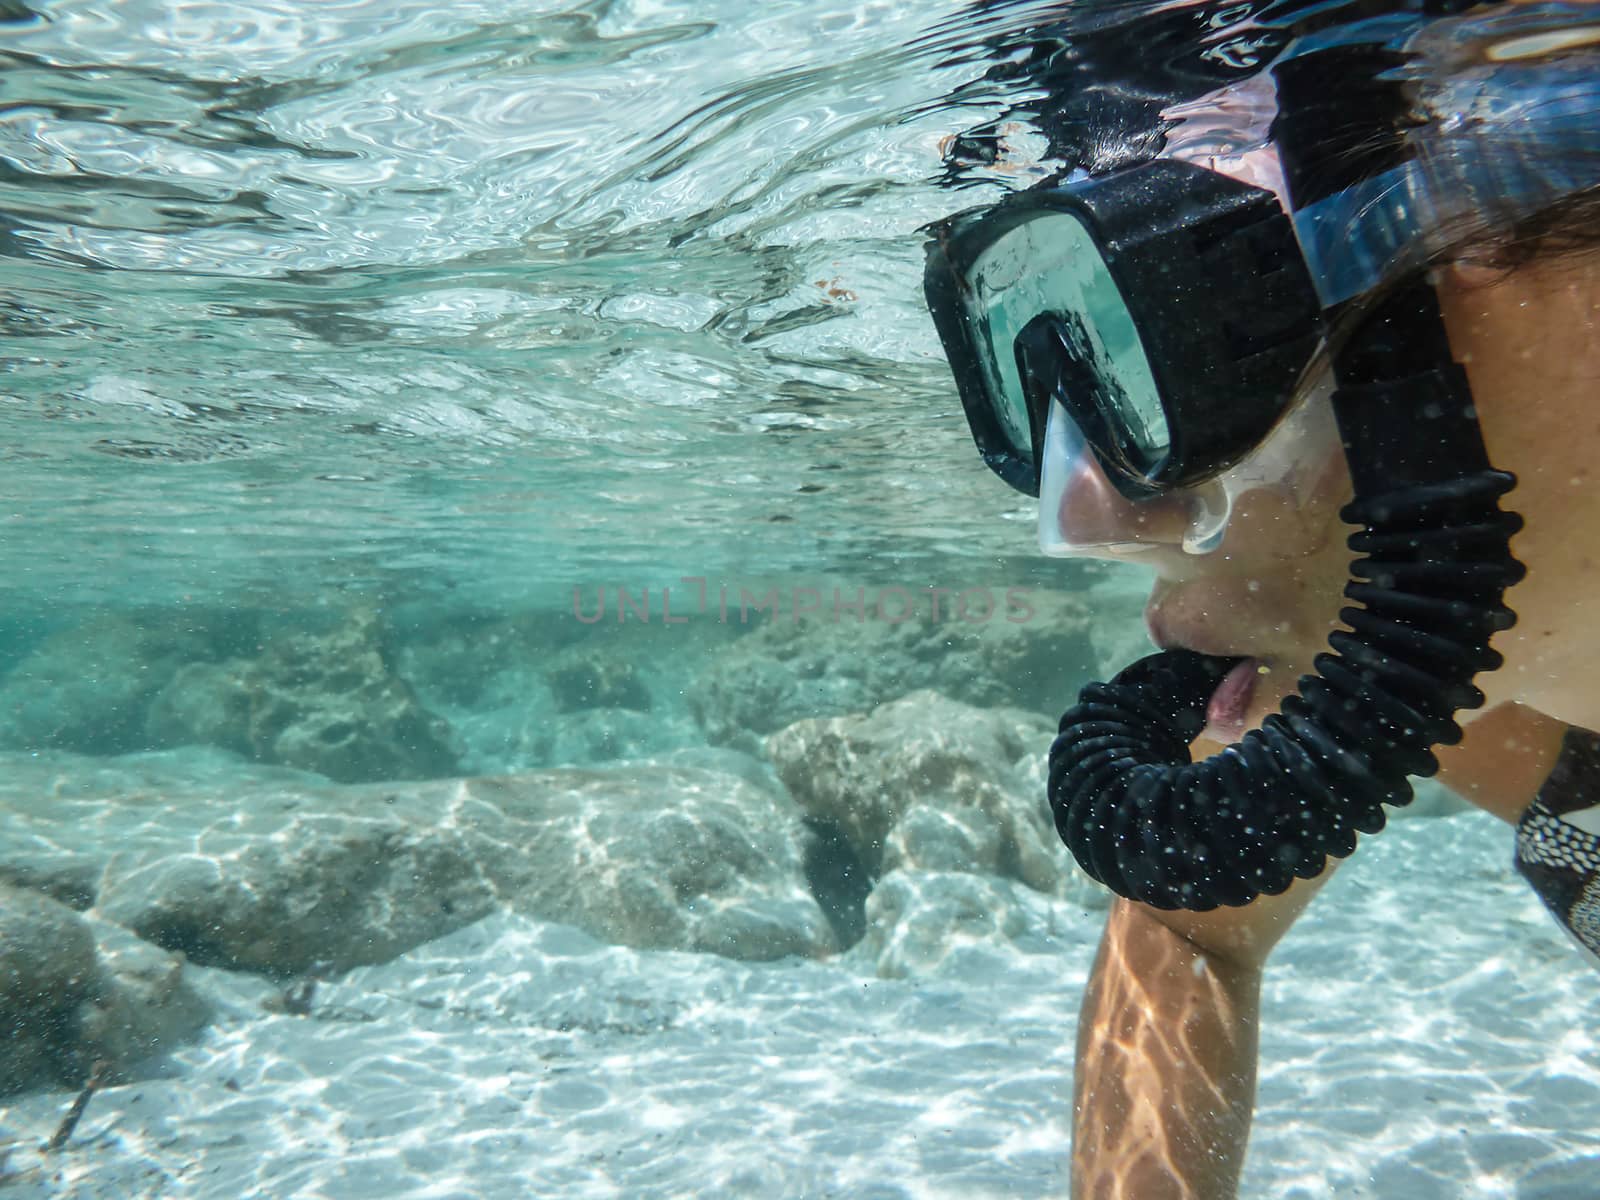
(1503, 759)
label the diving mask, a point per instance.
(1164, 318)
(1150, 330)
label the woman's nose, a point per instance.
(1089, 516)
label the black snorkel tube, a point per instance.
(1434, 564)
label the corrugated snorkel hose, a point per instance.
(1436, 562)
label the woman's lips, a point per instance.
(1181, 634)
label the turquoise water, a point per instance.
(424, 321)
(483, 299)
(353, 358)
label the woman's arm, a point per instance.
(1167, 1036)
(1166, 1069)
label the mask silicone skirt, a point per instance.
(1081, 512)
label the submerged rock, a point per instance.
(88, 689)
(325, 701)
(1032, 655)
(76, 991)
(925, 922)
(297, 884)
(582, 680)
(581, 738)
(940, 808)
(657, 858)
(926, 782)
(289, 876)
(48, 972)
(541, 689)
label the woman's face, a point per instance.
(1269, 592)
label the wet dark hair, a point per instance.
(1570, 226)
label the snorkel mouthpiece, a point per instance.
(1435, 563)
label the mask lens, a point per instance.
(1086, 352)
(1057, 361)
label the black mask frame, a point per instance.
(1210, 273)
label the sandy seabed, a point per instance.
(1429, 1033)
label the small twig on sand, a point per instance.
(75, 1113)
(297, 997)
